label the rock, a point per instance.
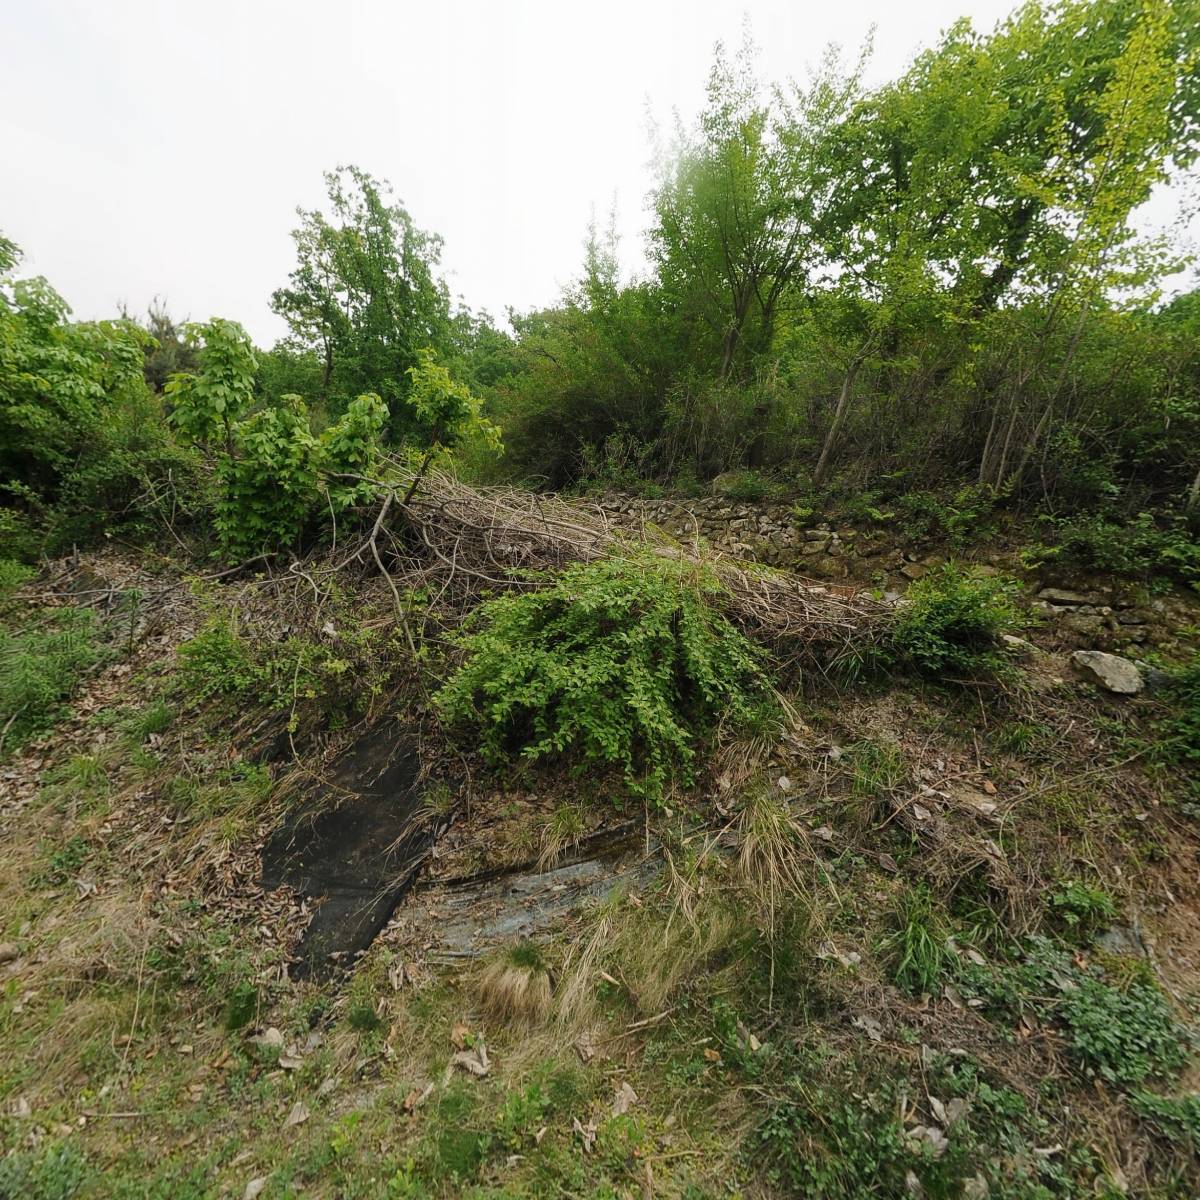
(1054, 595)
(1018, 645)
(8, 952)
(913, 570)
(1109, 671)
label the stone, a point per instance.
(1110, 671)
(913, 570)
(1053, 595)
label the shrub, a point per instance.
(962, 519)
(1139, 549)
(623, 662)
(953, 622)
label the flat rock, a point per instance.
(1110, 671)
(1063, 596)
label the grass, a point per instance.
(711, 991)
(515, 988)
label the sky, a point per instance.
(160, 148)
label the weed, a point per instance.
(1139, 549)
(1177, 1118)
(155, 718)
(952, 624)
(623, 662)
(53, 1172)
(362, 1018)
(876, 769)
(918, 946)
(1123, 1032)
(1083, 910)
(564, 830)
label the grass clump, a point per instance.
(622, 662)
(516, 988)
(918, 945)
(40, 666)
(953, 622)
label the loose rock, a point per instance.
(1110, 671)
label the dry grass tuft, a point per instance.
(516, 988)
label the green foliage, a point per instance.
(1143, 548)
(918, 949)
(625, 662)
(225, 662)
(1177, 1118)
(1122, 1031)
(206, 402)
(876, 768)
(446, 411)
(750, 487)
(1180, 738)
(364, 297)
(959, 520)
(41, 662)
(1082, 909)
(275, 474)
(54, 1171)
(952, 622)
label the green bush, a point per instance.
(624, 662)
(952, 623)
(960, 520)
(1143, 548)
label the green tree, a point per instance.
(364, 296)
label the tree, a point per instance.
(737, 201)
(364, 295)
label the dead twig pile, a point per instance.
(456, 542)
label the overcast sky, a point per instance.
(154, 147)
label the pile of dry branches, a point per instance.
(456, 542)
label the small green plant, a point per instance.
(625, 662)
(362, 1018)
(1180, 731)
(1177, 1118)
(56, 1171)
(748, 487)
(952, 624)
(876, 768)
(1120, 1030)
(963, 518)
(1144, 548)
(918, 946)
(1083, 910)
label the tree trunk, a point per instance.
(839, 417)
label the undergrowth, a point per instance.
(623, 662)
(952, 624)
(43, 657)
